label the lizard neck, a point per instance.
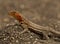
(18, 17)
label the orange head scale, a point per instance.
(16, 15)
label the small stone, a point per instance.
(17, 41)
(16, 21)
(12, 38)
(5, 38)
(29, 42)
(56, 26)
(31, 37)
(34, 42)
(6, 20)
(3, 34)
(58, 22)
(7, 24)
(16, 26)
(20, 38)
(10, 43)
(36, 39)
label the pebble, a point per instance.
(5, 38)
(29, 42)
(15, 21)
(58, 22)
(17, 41)
(12, 38)
(34, 42)
(36, 39)
(10, 43)
(31, 37)
(7, 24)
(6, 20)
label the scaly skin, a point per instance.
(32, 25)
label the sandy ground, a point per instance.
(41, 12)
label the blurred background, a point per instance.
(41, 12)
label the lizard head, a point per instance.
(16, 15)
(12, 13)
